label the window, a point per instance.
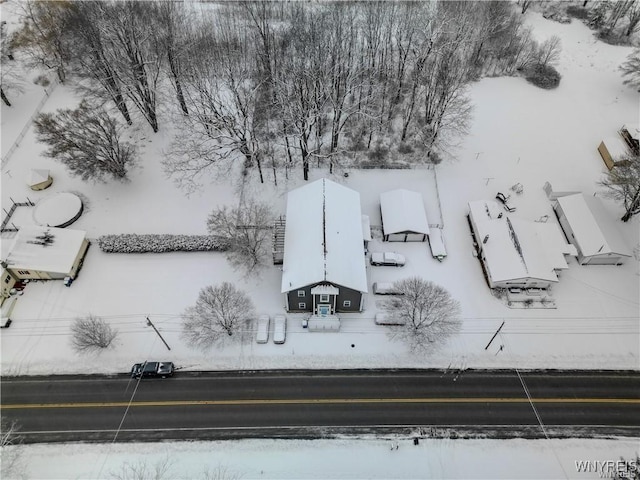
(7, 279)
(324, 298)
(302, 306)
(302, 293)
(346, 303)
(23, 272)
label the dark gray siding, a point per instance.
(294, 299)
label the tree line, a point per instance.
(280, 85)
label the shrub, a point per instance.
(378, 154)
(580, 13)
(405, 148)
(42, 80)
(543, 76)
(152, 243)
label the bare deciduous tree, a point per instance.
(623, 185)
(428, 311)
(43, 36)
(220, 314)
(88, 141)
(549, 51)
(91, 333)
(248, 231)
(631, 69)
(10, 80)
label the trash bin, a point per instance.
(68, 281)
(305, 323)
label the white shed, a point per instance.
(39, 179)
(403, 216)
(591, 229)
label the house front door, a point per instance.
(323, 310)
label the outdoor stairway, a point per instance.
(278, 240)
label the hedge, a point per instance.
(153, 243)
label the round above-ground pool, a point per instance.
(59, 210)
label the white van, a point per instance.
(385, 288)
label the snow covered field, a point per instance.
(519, 134)
(334, 459)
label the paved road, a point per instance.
(319, 403)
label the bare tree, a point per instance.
(12, 464)
(248, 230)
(428, 312)
(133, 53)
(44, 35)
(633, 15)
(549, 51)
(623, 184)
(10, 80)
(88, 141)
(141, 470)
(91, 333)
(92, 63)
(631, 69)
(220, 314)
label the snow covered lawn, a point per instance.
(339, 459)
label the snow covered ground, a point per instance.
(520, 134)
(334, 459)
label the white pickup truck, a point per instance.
(387, 258)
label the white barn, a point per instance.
(516, 252)
(324, 269)
(587, 225)
(403, 216)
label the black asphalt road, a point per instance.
(319, 403)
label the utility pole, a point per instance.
(150, 324)
(495, 335)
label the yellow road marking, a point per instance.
(319, 401)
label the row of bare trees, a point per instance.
(280, 84)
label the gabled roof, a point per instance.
(515, 248)
(593, 228)
(45, 249)
(37, 176)
(323, 237)
(403, 211)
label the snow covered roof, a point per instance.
(403, 211)
(633, 128)
(593, 229)
(366, 228)
(37, 176)
(45, 249)
(516, 248)
(616, 147)
(323, 237)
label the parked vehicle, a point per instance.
(262, 335)
(152, 369)
(279, 329)
(504, 199)
(385, 288)
(387, 258)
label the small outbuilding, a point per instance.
(46, 253)
(630, 132)
(612, 149)
(591, 229)
(39, 179)
(403, 216)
